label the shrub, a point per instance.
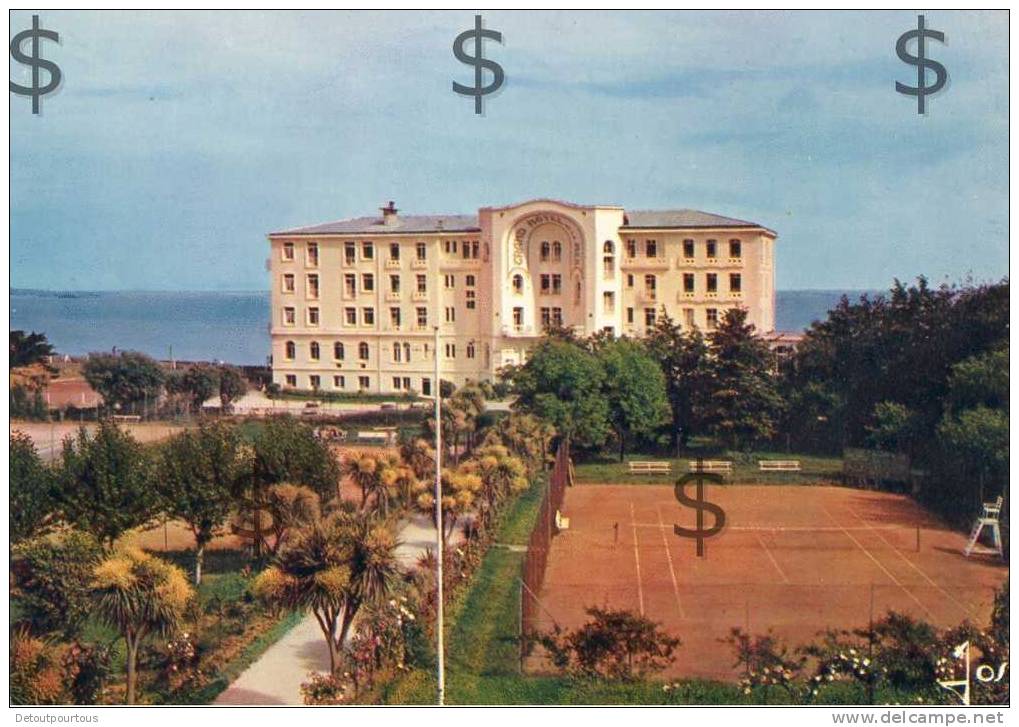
(765, 663)
(326, 689)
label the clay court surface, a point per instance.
(795, 560)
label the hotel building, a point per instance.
(355, 302)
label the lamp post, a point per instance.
(438, 524)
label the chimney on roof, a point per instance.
(389, 213)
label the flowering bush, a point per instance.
(325, 689)
(765, 663)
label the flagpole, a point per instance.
(438, 523)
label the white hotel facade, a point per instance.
(355, 302)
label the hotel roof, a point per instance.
(413, 224)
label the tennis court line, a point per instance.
(772, 558)
(672, 571)
(965, 609)
(878, 563)
(636, 557)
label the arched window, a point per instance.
(291, 350)
(397, 353)
(406, 352)
(470, 350)
(608, 248)
(338, 351)
(578, 291)
(362, 351)
(544, 251)
(557, 251)
(518, 283)
(315, 351)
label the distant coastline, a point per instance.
(232, 326)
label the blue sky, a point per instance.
(178, 140)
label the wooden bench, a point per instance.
(715, 466)
(373, 436)
(779, 465)
(127, 417)
(650, 468)
(561, 523)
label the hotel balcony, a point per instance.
(393, 263)
(419, 296)
(459, 262)
(392, 297)
(518, 330)
(417, 264)
(647, 296)
(645, 263)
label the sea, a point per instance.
(232, 326)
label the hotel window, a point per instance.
(368, 316)
(557, 284)
(315, 380)
(362, 351)
(545, 248)
(450, 314)
(292, 380)
(396, 382)
(394, 251)
(470, 300)
(649, 317)
(546, 283)
(712, 249)
(557, 251)
(313, 253)
(712, 317)
(609, 301)
(518, 284)
(609, 257)
(288, 251)
(471, 249)
(712, 282)
(629, 280)
(313, 316)
(288, 283)
(350, 316)
(422, 317)
(688, 317)
(557, 316)
(338, 351)
(394, 317)
(518, 317)
(397, 353)
(368, 282)
(578, 291)
(688, 248)
(450, 247)
(349, 253)
(449, 281)
(339, 382)
(629, 315)
(422, 284)
(349, 285)
(450, 350)
(364, 383)
(313, 286)
(406, 355)
(469, 281)
(422, 251)
(470, 350)
(650, 284)
(651, 248)
(289, 316)
(290, 350)
(688, 283)
(367, 251)
(631, 248)
(735, 248)
(546, 317)
(314, 351)
(735, 282)
(426, 386)
(394, 283)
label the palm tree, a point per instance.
(363, 469)
(332, 568)
(139, 595)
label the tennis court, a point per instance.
(795, 560)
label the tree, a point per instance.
(124, 379)
(29, 349)
(290, 507)
(332, 568)
(31, 482)
(232, 386)
(200, 473)
(200, 383)
(139, 595)
(53, 578)
(743, 403)
(501, 475)
(527, 436)
(683, 358)
(104, 483)
(634, 390)
(286, 450)
(896, 427)
(460, 489)
(562, 384)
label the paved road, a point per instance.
(277, 675)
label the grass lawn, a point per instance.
(605, 469)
